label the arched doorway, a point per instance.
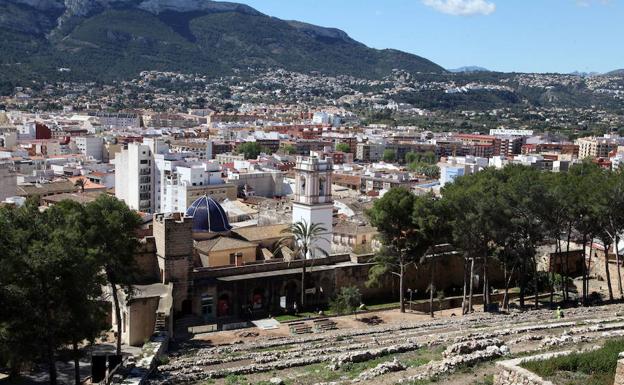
(311, 291)
(257, 299)
(223, 305)
(187, 307)
(292, 294)
(325, 290)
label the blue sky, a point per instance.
(503, 35)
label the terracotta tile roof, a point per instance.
(76, 197)
(221, 244)
(88, 184)
(45, 189)
(259, 233)
(350, 228)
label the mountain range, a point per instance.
(469, 69)
(104, 40)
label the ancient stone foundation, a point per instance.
(511, 373)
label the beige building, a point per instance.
(264, 236)
(218, 192)
(354, 236)
(596, 147)
(225, 251)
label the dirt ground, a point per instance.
(253, 346)
(388, 317)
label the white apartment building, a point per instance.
(183, 183)
(200, 149)
(118, 119)
(510, 132)
(90, 146)
(149, 178)
(320, 118)
(264, 182)
(134, 174)
(456, 166)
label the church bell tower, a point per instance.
(313, 197)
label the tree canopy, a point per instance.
(389, 155)
(343, 147)
(251, 150)
(53, 265)
(503, 216)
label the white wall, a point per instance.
(317, 214)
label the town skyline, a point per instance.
(196, 192)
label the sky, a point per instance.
(501, 35)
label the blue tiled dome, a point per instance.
(208, 216)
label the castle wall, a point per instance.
(174, 247)
(147, 262)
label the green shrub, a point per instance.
(599, 364)
(347, 301)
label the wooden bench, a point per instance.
(299, 328)
(321, 325)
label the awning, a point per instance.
(276, 273)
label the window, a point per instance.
(232, 259)
(206, 304)
(143, 161)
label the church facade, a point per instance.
(218, 275)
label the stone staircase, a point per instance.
(161, 323)
(182, 324)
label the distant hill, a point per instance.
(115, 39)
(469, 69)
(616, 73)
(584, 74)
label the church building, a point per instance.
(199, 270)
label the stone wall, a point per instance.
(597, 268)
(174, 235)
(145, 257)
(511, 373)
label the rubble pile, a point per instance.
(470, 346)
(366, 355)
(385, 367)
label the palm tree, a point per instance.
(80, 183)
(305, 236)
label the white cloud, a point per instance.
(588, 3)
(462, 7)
